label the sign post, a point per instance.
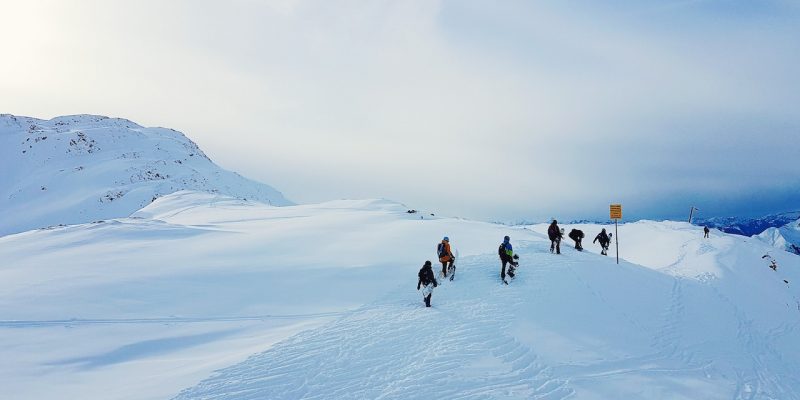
(691, 211)
(616, 214)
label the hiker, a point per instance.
(427, 281)
(506, 253)
(577, 236)
(555, 234)
(705, 231)
(604, 239)
(445, 255)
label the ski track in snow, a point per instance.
(763, 377)
(395, 348)
(667, 340)
(485, 340)
(760, 382)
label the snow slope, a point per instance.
(786, 237)
(82, 168)
(319, 301)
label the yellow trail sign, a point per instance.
(616, 211)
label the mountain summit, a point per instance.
(81, 168)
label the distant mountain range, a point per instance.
(82, 168)
(748, 226)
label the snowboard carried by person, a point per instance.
(427, 281)
(512, 268)
(451, 269)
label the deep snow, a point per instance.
(319, 301)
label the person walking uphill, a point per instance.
(445, 255)
(506, 253)
(604, 239)
(577, 236)
(427, 281)
(705, 232)
(554, 233)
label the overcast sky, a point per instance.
(497, 110)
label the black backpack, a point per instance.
(501, 251)
(426, 277)
(440, 250)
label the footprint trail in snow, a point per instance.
(397, 349)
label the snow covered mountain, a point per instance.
(201, 296)
(748, 226)
(786, 237)
(82, 168)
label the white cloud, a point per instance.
(523, 109)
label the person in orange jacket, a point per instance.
(445, 255)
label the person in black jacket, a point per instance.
(705, 232)
(427, 281)
(554, 233)
(577, 236)
(604, 239)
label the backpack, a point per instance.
(440, 250)
(425, 274)
(501, 251)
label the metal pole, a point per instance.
(690, 214)
(616, 235)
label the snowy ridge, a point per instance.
(749, 226)
(235, 299)
(786, 237)
(82, 168)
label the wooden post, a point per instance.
(615, 212)
(616, 236)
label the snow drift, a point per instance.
(82, 168)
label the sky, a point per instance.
(502, 111)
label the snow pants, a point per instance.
(555, 244)
(446, 264)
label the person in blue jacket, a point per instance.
(506, 253)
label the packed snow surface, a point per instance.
(202, 296)
(83, 168)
